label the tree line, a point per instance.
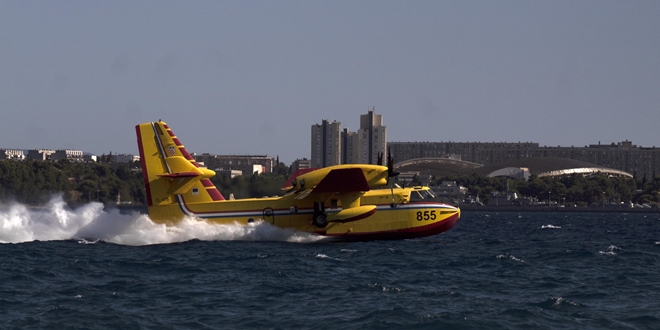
(34, 182)
(575, 188)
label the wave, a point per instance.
(507, 256)
(550, 227)
(90, 223)
(611, 250)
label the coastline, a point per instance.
(607, 209)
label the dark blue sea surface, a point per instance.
(491, 271)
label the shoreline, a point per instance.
(607, 209)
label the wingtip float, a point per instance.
(339, 201)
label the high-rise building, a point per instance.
(372, 138)
(326, 144)
(333, 146)
(349, 147)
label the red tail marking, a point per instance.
(215, 194)
(211, 190)
(143, 163)
(187, 155)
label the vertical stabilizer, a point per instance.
(172, 177)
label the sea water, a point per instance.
(90, 268)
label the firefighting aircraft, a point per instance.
(339, 201)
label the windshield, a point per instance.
(416, 195)
(429, 194)
(422, 194)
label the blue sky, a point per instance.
(251, 77)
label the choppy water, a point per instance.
(90, 269)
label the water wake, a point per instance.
(91, 223)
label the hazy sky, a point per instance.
(252, 77)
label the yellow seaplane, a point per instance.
(339, 201)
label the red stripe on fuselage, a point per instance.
(358, 217)
(416, 232)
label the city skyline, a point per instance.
(251, 77)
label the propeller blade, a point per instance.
(390, 165)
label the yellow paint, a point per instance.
(176, 190)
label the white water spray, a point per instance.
(56, 221)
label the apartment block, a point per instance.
(13, 154)
(248, 164)
(68, 154)
(332, 146)
(326, 144)
(40, 154)
(372, 138)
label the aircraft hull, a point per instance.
(410, 220)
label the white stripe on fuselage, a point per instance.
(260, 213)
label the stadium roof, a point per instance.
(548, 166)
(540, 166)
(437, 166)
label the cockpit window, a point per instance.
(421, 195)
(416, 196)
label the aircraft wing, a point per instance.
(338, 178)
(289, 183)
(343, 180)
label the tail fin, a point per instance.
(171, 176)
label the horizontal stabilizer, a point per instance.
(186, 173)
(343, 180)
(352, 214)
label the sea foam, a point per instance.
(90, 223)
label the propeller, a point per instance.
(391, 173)
(390, 166)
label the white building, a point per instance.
(71, 155)
(125, 158)
(13, 154)
(40, 154)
